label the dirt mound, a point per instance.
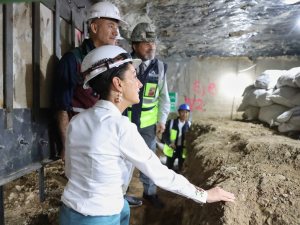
(21, 197)
(259, 165)
(255, 163)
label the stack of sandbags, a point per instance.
(268, 79)
(288, 79)
(255, 97)
(284, 95)
(270, 113)
(289, 120)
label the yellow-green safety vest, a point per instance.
(173, 135)
(150, 95)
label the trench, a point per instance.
(258, 164)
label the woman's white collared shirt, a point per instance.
(97, 140)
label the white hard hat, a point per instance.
(107, 10)
(119, 37)
(103, 58)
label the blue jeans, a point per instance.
(69, 216)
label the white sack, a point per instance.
(248, 88)
(289, 78)
(295, 100)
(268, 79)
(270, 113)
(256, 97)
(283, 95)
(289, 120)
(251, 113)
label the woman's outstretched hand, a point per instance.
(217, 194)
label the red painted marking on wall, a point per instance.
(199, 106)
(190, 102)
(203, 92)
(196, 86)
(211, 86)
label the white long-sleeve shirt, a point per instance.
(96, 141)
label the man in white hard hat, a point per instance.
(69, 96)
(151, 114)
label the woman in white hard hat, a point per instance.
(99, 138)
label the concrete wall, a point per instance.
(213, 87)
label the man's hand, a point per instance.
(172, 146)
(160, 128)
(217, 194)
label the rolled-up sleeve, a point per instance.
(135, 150)
(65, 82)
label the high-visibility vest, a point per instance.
(173, 137)
(144, 114)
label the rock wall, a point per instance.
(257, 164)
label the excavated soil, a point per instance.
(259, 165)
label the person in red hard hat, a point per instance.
(174, 137)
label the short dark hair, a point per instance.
(101, 83)
(134, 43)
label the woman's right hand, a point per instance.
(217, 194)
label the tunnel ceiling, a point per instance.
(201, 28)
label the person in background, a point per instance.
(69, 96)
(118, 39)
(151, 113)
(174, 137)
(99, 138)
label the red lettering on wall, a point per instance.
(199, 106)
(211, 86)
(190, 102)
(196, 86)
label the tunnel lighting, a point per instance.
(290, 2)
(246, 69)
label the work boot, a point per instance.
(133, 202)
(155, 200)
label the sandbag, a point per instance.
(295, 100)
(289, 78)
(256, 97)
(251, 113)
(270, 113)
(248, 88)
(283, 95)
(268, 79)
(289, 120)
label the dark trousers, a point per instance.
(177, 154)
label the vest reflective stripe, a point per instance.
(152, 86)
(173, 135)
(168, 150)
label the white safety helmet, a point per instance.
(119, 37)
(103, 58)
(107, 10)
